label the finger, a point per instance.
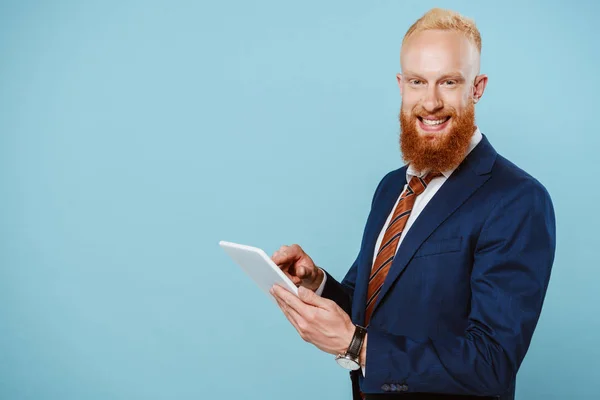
(309, 297)
(303, 269)
(291, 300)
(297, 270)
(289, 272)
(295, 280)
(289, 313)
(285, 255)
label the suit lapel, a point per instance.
(466, 179)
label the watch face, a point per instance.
(347, 363)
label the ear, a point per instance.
(479, 87)
(399, 79)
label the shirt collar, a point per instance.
(475, 139)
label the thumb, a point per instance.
(310, 297)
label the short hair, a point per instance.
(438, 18)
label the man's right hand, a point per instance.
(298, 266)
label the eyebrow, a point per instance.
(452, 75)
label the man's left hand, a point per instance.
(318, 320)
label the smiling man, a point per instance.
(449, 282)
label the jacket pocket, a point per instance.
(438, 246)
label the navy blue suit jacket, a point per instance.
(459, 306)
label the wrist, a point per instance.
(347, 337)
(362, 359)
(351, 357)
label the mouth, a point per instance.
(433, 125)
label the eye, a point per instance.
(449, 82)
(415, 82)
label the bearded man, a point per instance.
(450, 278)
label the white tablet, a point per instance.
(259, 267)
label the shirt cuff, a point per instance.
(319, 290)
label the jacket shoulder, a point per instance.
(507, 177)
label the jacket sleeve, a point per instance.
(342, 292)
(512, 265)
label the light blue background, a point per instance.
(134, 135)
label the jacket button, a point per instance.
(385, 387)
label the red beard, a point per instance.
(446, 151)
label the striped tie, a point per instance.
(387, 251)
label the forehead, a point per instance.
(433, 53)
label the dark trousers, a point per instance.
(424, 396)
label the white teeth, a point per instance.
(432, 122)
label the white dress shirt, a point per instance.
(420, 202)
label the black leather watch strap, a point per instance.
(356, 342)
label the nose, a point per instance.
(432, 101)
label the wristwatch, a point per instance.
(350, 359)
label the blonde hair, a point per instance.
(438, 18)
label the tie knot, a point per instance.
(431, 175)
(418, 185)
